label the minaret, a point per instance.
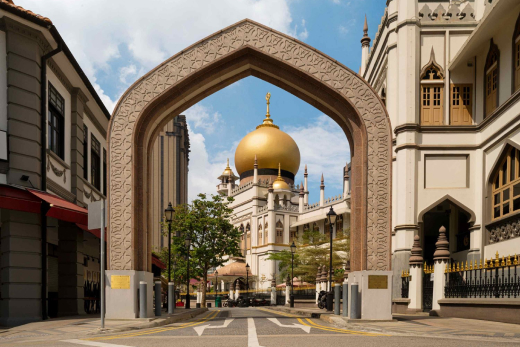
(301, 199)
(255, 177)
(270, 215)
(322, 191)
(365, 44)
(346, 183)
(306, 190)
(230, 185)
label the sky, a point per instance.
(118, 41)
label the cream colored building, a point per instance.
(269, 208)
(449, 73)
(170, 158)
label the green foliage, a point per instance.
(206, 221)
(313, 251)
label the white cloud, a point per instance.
(304, 34)
(127, 71)
(100, 31)
(337, 2)
(345, 28)
(202, 117)
(324, 148)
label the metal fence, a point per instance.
(494, 278)
(405, 284)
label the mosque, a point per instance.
(269, 208)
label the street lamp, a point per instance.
(168, 213)
(291, 299)
(247, 280)
(331, 215)
(216, 288)
(187, 243)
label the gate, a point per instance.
(427, 297)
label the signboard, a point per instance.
(94, 214)
(119, 282)
(377, 282)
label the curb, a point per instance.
(296, 311)
(157, 322)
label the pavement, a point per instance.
(269, 327)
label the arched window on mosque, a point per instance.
(506, 184)
(491, 70)
(432, 93)
(242, 239)
(339, 224)
(260, 236)
(279, 232)
(293, 236)
(266, 233)
(248, 236)
(516, 56)
(276, 200)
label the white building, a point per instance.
(269, 208)
(449, 73)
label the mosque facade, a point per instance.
(269, 207)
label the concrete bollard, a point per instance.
(354, 302)
(345, 299)
(158, 298)
(336, 298)
(273, 296)
(171, 298)
(142, 299)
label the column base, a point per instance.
(124, 303)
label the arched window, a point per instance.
(242, 238)
(248, 236)
(506, 185)
(293, 235)
(432, 93)
(266, 233)
(339, 224)
(260, 236)
(315, 227)
(491, 70)
(279, 232)
(516, 56)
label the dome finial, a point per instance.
(279, 170)
(268, 122)
(227, 165)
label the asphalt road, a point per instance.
(255, 327)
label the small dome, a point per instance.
(227, 170)
(279, 183)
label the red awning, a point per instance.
(157, 262)
(13, 198)
(62, 209)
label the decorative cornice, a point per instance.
(60, 75)
(24, 30)
(93, 189)
(60, 191)
(96, 123)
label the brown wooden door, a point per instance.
(461, 104)
(491, 90)
(432, 103)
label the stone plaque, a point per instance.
(120, 282)
(377, 282)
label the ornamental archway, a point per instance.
(249, 49)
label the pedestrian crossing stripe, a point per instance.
(198, 321)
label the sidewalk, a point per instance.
(417, 325)
(75, 326)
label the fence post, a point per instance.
(415, 280)
(440, 260)
(171, 298)
(336, 298)
(345, 299)
(142, 299)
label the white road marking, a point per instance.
(200, 329)
(294, 325)
(92, 343)
(252, 338)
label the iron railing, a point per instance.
(494, 278)
(405, 283)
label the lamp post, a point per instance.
(247, 280)
(168, 213)
(187, 243)
(291, 298)
(216, 287)
(331, 215)
(174, 267)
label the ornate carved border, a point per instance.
(291, 52)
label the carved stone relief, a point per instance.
(290, 52)
(508, 229)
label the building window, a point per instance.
(266, 233)
(491, 79)
(432, 94)
(85, 152)
(56, 136)
(260, 239)
(506, 185)
(516, 56)
(95, 162)
(461, 104)
(279, 232)
(104, 172)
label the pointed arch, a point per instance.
(248, 49)
(279, 232)
(432, 70)
(454, 201)
(432, 93)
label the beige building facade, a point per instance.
(449, 74)
(170, 158)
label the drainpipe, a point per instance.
(43, 187)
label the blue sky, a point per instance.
(118, 41)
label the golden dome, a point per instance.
(271, 146)
(228, 171)
(279, 182)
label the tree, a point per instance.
(312, 251)
(207, 223)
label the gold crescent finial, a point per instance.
(268, 122)
(267, 98)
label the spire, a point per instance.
(268, 122)
(322, 182)
(365, 41)
(346, 176)
(442, 253)
(256, 162)
(227, 165)
(305, 173)
(302, 191)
